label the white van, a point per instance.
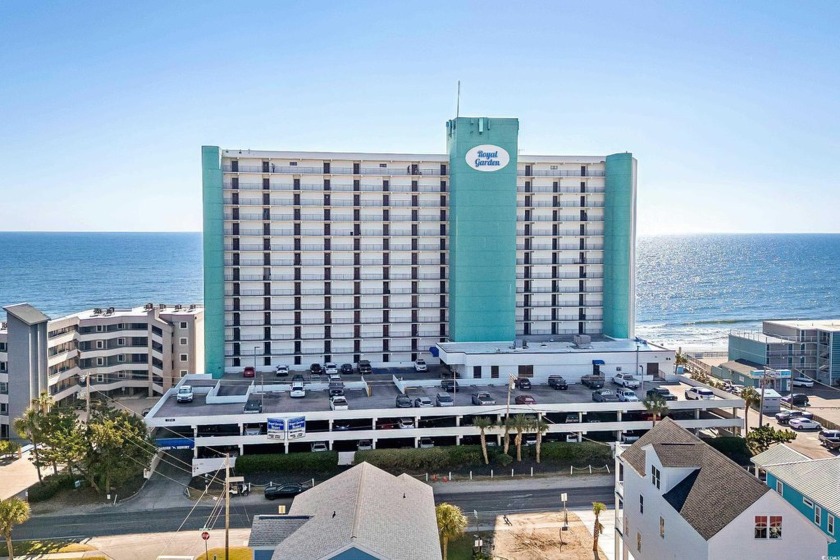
(699, 394)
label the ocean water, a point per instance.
(691, 290)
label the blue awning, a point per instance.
(598, 362)
(433, 350)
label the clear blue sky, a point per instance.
(732, 108)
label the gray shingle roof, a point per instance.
(271, 530)
(818, 479)
(26, 313)
(390, 516)
(714, 494)
(780, 453)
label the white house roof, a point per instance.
(818, 479)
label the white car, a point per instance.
(423, 402)
(626, 380)
(426, 443)
(331, 368)
(339, 403)
(185, 394)
(804, 424)
(698, 394)
(319, 446)
(297, 392)
(420, 365)
(802, 381)
(407, 423)
(627, 395)
(281, 371)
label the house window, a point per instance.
(830, 528)
(817, 515)
(184, 325)
(775, 526)
(182, 341)
(641, 504)
(183, 357)
(761, 526)
(655, 476)
(807, 502)
(780, 486)
(662, 527)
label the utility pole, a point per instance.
(227, 506)
(87, 398)
(761, 400)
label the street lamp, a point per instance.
(255, 357)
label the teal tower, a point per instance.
(482, 228)
(214, 261)
(620, 246)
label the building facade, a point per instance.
(145, 350)
(314, 257)
(677, 497)
(810, 348)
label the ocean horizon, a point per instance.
(691, 289)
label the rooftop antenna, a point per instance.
(458, 103)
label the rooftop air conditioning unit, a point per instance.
(178, 307)
(583, 341)
(162, 306)
(4, 326)
(149, 306)
(192, 307)
(97, 310)
(110, 310)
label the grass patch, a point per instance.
(461, 549)
(236, 553)
(37, 548)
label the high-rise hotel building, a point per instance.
(320, 256)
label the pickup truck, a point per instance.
(593, 381)
(830, 439)
(626, 380)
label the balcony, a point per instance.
(560, 173)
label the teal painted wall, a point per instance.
(741, 348)
(620, 246)
(214, 261)
(482, 233)
(794, 497)
(353, 554)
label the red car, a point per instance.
(525, 399)
(249, 372)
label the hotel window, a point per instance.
(182, 341)
(830, 528)
(661, 526)
(383, 165)
(4, 388)
(120, 342)
(184, 325)
(100, 344)
(121, 357)
(4, 408)
(817, 515)
(292, 164)
(641, 504)
(655, 476)
(183, 357)
(100, 328)
(2, 366)
(183, 372)
(780, 486)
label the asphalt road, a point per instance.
(169, 520)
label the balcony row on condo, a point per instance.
(269, 168)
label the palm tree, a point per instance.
(750, 397)
(44, 402)
(504, 424)
(597, 509)
(451, 523)
(656, 405)
(483, 423)
(540, 426)
(28, 426)
(520, 423)
(13, 511)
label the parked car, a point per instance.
(426, 443)
(423, 402)
(297, 378)
(796, 399)
(249, 372)
(450, 385)
(801, 423)
(629, 437)
(785, 416)
(525, 399)
(298, 391)
(406, 423)
(523, 383)
(341, 425)
(339, 403)
(145, 412)
(420, 365)
(483, 399)
(404, 401)
(626, 380)
(604, 395)
(346, 369)
(281, 371)
(364, 445)
(699, 393)
(830, 438)
(336, 389)
(802, 381)
(662, 392)
(331, 368)
(185, 394)
(315, 369)
(593, 381)
(529, 439)
(252, 407)
(319, 446)
(557, 382)
(444, 399)
(627, 395)
(364, 367)
(285, 491)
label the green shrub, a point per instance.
(320, 462)
(583, 453)
(422, 460)
(503, 460)
(53, 484)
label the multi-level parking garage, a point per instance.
(216, 421)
